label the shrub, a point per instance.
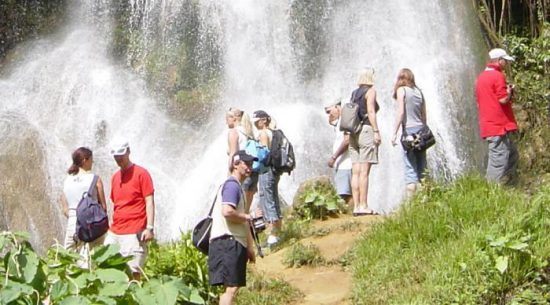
(468, 243)
(299, 255)
(316, 199)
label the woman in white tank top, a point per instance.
(76, 183)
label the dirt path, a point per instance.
(324, 284)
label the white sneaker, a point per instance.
(272, 240)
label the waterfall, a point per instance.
(285, 57)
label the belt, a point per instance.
(223, 237)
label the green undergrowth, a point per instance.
(261, 290)
(467, 243)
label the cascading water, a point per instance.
(285, 57)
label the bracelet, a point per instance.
(333, 157)
(375, 130)
(150, 227)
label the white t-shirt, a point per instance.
(343, 161)
(75, 186)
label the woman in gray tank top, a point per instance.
(411, 116)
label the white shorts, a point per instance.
(130, 245)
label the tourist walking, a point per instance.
(231, 243)
(363, 146)
(77, 183)
(269, 181)
(132, 195)
(340, 160)
(410, 117)
(496, 118)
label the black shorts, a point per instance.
(227, 262)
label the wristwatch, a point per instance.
(150, 228)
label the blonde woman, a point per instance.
(78, 182)
(411, 115)
(240, 130)
(363, 146)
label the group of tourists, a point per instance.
(353, 154)
(132, 196)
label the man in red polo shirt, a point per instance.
(496, 117)
(133, 208)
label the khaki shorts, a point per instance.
(129, 245)
(362, 148)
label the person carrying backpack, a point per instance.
(269, 181)
(363, 146)
(76, 185)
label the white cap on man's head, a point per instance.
(332, 103)
(499, 53)
(119, 147)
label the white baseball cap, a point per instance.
(119, 147)
(500, 53)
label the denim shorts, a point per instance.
(269, 196)
(342, 181)
(415, 162)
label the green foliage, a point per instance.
(303, 255)
(182, 260)
(318, 200)
(60, 278)
(468, 243)
(261, 290)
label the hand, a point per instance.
(377, 138)
(394, 140)
(330, 162)
(259, 213)
(251, 254)
(147, 235)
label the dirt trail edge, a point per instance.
(329, 285)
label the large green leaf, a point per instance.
(311, 197)
(144, 297)
(59, 290)
(28, 262)
(13, 291)
(111, 275)
(102, 253)
(76, 300)
(113, 289)
(165, 293)
(105, 300)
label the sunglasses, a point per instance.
(327, 111)
(118, 152)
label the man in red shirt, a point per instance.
(133, 208)
(496, 117)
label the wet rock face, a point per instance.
(25, 203)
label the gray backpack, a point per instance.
(349, 118)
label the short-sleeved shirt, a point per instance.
(229, 194)
(343, 161)
(128, 191)
(495, 119)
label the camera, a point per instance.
(258, 223)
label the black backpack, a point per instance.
(281, 154)
(91, 219)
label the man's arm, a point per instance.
(148, 234)
(231, 214)
(340, 150)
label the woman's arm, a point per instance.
(371, 112)
(232, 142)
(400, 112)
(424, 115)
(64, 205)
(263, 138)
(101, 193)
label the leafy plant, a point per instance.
(182, 260)
(317, 200)
(60, 279)
(303, 255)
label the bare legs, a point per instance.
(229, 295)
(360, 186)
